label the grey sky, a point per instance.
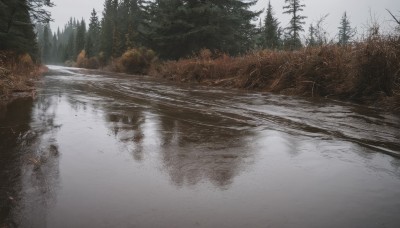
(358, 11)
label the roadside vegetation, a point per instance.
(19, 52)
(18, 74)
(366, 72)
(216, 43)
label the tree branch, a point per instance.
(397, 20)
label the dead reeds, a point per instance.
(17, 74)
(367, 71)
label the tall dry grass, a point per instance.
(17, 73)
(367, 71)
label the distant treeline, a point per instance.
(179, 28)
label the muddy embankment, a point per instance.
(367, 72)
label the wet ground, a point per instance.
(110, 150)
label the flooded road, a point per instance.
(110, 150)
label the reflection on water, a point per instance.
(29, 162)
(109, 150)
(14, 121)
(191, 154)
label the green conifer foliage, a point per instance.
(16, 24)
(107, 27)
(345, 30)
(271, 30)
(46, 46)
(179, 28)
(92, 42)
(311, 40)
(80, 37)
(54, 50)
(294, 8)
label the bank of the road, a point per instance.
(18, 74)
(366, 72)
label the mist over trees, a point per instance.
(172, 28)
(176, 29)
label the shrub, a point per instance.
(26, 61)
(368, 71)
(69, 63)
(135, 61)
(83, 62)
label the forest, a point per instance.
(178, 29)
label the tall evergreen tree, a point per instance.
(311, 40)
(70, 53)
(179, 28)
(16, 27)
(54, 49)
(345, 30)
(271, 29)
(107, 27)
(80, 37)
(46, 48)
(294, 8)
(92, 42)
(138, 16)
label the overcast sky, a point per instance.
(357, 10)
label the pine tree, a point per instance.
(89, 47)
(107, 27)
(80, 37)
(179, 28)
(294, 7)
(92, 42)
(54, 50)
(70, 52)
(54, 47)
(137, 23)
(345, 30)
(46, 49)
(311, 40)
(16, 27)
(62, 54)
(271, 29)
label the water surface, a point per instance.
(101, 149)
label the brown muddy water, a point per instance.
(110, 150)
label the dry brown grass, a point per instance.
(84, 62)
(17, 74)
(368, 71)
